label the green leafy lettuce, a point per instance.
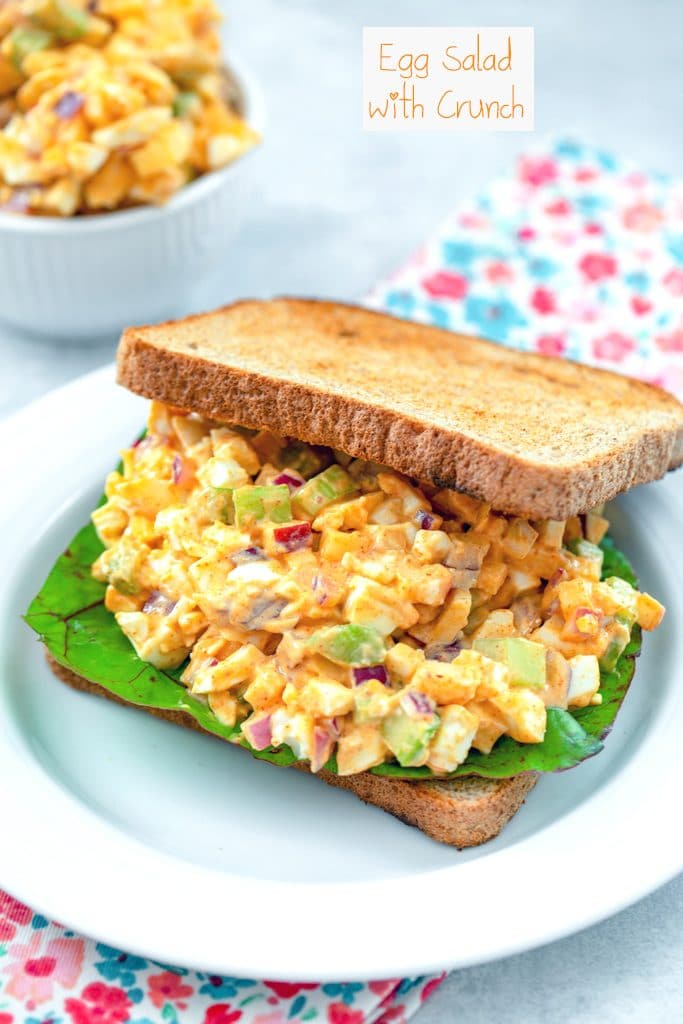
(70, 618)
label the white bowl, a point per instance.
(86, 278)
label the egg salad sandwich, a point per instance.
(367, 548)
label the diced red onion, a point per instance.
(362, 675)
(262, 611)
(424, 519)
(586, 613)
(294, 536)
(142, 444)
(417, 704)
(335, 727)
(158, 604)
(442, 652)
(320, 588)
(258, 732)
(248, 555)
(291, 478)
(68, 105)
(323, 745)
(213, 662)
(182, 473)
(556, 577)
(19, 201)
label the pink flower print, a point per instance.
(640, 306)
(12, 913)
(288, 989)
(445, 285)
(642, 217)
(526, 234)
(340, 1013)
(596, 266)
(431, 987)
(543, 301)
(560, 208)
(593, 229)
(550, 344)
(221, 1013)
(670, 342)
(636, 179)
(472, 220)
(276, 1017)
(585, 174)
(499, 272)
(673, 281)
(34, 969)
(6, 1018)
(99, 1004)
(537, 171)
(613, 346)
(168, 988)
(383, 988)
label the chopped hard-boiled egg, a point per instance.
(330, 605)
(111, 104)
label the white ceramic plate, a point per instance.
(176, 846)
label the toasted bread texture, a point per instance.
(460, 812)
(532, 435)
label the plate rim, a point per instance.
(64, 894)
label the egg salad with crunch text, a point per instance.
(334, 606)
(111, 103)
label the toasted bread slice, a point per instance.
(532, 435)
(460, 812)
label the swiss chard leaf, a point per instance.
(70, 618)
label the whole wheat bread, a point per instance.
(532, 435)
(461, 812)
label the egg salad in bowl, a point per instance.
(112, 104)
(335, 607)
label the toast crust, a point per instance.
(531, 435)
(460, 812)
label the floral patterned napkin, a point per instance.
(575, 254)
(48, 975)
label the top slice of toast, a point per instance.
(531, 435)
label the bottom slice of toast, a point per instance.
(461, 812)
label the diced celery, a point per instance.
(220, 505)
(64, 19)
(321, 490)
(584, 549)
(618, 641)
(349, 645)
(301, 457)
(408, 737)
(627, 597)
(259, 504)
(24, 40)
(525, 659)
(185, 103)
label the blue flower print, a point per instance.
(460, 254)
(674, 245)
(399, 302)
(224, 988)
(493, 317)
(541, 268)
(118, 966)
(346, 991)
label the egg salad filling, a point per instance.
(336, 607)
(111, 103)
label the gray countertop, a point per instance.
(340, 208)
